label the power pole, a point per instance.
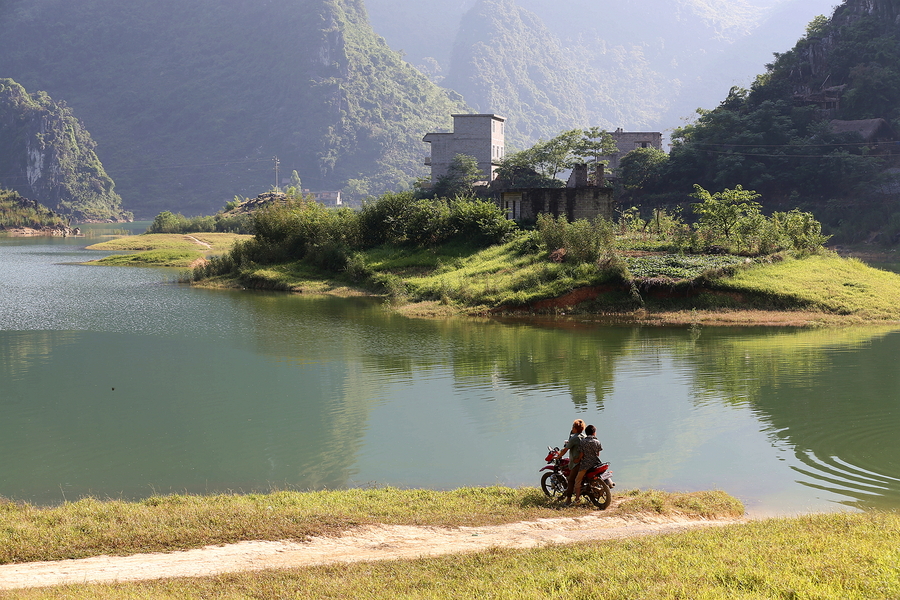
(277, 162)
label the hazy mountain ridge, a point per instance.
(190, 102)
(643, 64)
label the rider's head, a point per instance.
(578, 426)
(591, 430)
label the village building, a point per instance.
(582, 198)
(626, 141)
(481, 136)
(328, 198)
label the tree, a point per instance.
(461, 175)
(295, 181)
(720, 213)
(641, 166)
(594, 145)
(556, 155)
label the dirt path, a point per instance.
(369, 543)
(201, 242)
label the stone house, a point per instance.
(580, 199)
(479, 135)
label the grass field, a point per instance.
(164, 249)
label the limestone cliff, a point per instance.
(849, 64)
(45, 153)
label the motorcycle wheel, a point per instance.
(554, 484)
(599, 494)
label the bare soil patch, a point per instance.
(378, 542)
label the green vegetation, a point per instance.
(825, 283)
(778, 137)
(465, 254)
(45, 150)
(539, 165)
(165, 250)
(90, 527)
(168, 222)
(16, 211)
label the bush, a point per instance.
(479, 222)
(584, 241)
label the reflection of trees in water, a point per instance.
(561, 355)
(580, 360)
(20, 351)
(832, 395)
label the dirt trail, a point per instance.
(380, 542)
(201, 242)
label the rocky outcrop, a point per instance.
(46, 153)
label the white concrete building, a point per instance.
(478, 135)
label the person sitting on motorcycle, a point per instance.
(590, 458)
(573, 447)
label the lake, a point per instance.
(117, 382)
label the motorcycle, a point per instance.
(596, 486)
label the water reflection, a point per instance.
(117, 383)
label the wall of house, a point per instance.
(573, 203)
(479, 135)
(626, 141)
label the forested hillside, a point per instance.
(46, 153)
(803, 133)
(190, 101)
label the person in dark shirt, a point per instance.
(590, 458)
(573, 447)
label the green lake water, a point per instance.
(116, 382)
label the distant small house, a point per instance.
(872, 131)
(327, 198)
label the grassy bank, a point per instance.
(834, 556)
(164, 249)
(91, 527)
(650, 287)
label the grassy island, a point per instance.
(463, 256)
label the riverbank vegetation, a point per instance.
(91, 527)
(18, 212)
(465, 255)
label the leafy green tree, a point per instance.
(357, 189)
(461, 175)
(720, 213)
(595, 144)
(641, 167)
(556, 155)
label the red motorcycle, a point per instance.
(596, 486)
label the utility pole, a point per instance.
(277, 162)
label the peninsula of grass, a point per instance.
(463, 256)
(164, 249)
(91, 527)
